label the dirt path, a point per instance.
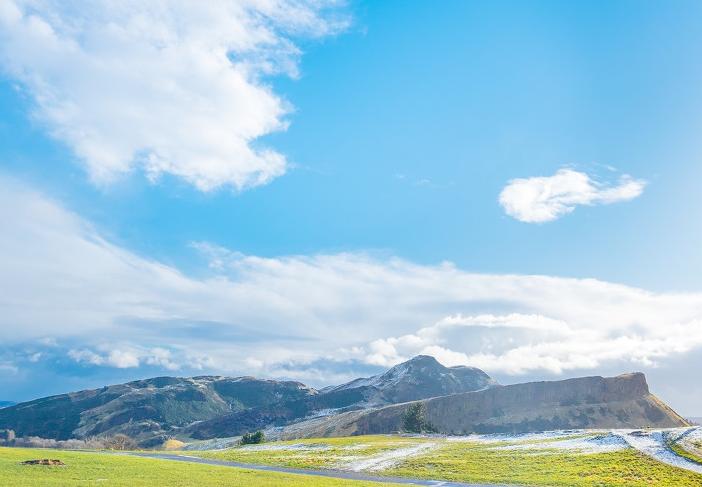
(300, 471)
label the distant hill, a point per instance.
(212, 406)
(457, 400)
(696, 420)
(147, 410)
(589, 402)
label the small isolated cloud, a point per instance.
(547, 198)
(125, 359)
(173, 87)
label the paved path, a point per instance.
(338, 474)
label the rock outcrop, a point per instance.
(589, 402)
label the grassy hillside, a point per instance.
(586, 460)
(109, 470)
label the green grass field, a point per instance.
(97, 469)
(472, 461)
(532, 463)
(465, 462)
(314, 453)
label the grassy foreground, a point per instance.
(469, 461)
(464, 462)
(313, 453)
(111, 470)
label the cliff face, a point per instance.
(589, 402)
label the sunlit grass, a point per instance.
(104, 469)
(477, 463)
(312, 453)
(472, 461)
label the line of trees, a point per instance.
(114, 442)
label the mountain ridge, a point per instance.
(208, 406)
(457, 400)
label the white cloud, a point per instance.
(517, 343)
(60, 280)
(87, 357)
(171, 86)
(8, 368)
(124, 359)
(544, 199)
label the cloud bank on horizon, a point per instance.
(102, 305)
(181, 89)
(548, 198)
(171, 87)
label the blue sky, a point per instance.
(401, 124)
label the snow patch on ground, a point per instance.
(288, 447)
(387, 459)
(519, 437)
(654, 443)
(214, 444)
(603, 443)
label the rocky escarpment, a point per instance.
(589, 402)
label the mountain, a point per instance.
(696, 420)
(418, 378)
(147, 410)
(589, 402)
(5, 404)
(212, 406)
(457, 400)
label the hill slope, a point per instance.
(146, 409)
(214, 406)
(589, 402)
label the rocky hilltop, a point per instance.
(588, 402)
(212, 406)
(419, 378)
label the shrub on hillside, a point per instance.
(119, 442)
(252, 438)
(414, 419)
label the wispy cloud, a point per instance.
(544, 199)
(62, 281)
(173, 87)
(124, 359)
